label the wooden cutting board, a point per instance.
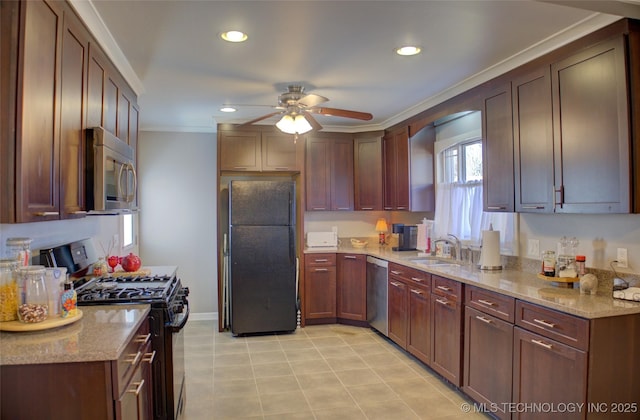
(141, 272)
(52, 322)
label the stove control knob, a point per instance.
(185, 291)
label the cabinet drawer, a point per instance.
(491, 303)
(137, 349)
(446, 287)
(564, 328)
(315, 260)
(410, 275)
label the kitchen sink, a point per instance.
(433, 262)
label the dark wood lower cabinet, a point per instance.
(548, 372)
(352, 287)
(419, 338)
(398, 312)
(446, 346)
(488, 357)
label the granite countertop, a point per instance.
(518, 284)
(100, 335)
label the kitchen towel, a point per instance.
(490, 254)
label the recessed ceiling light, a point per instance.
(234, 36)
(228, 109)
(408, 50)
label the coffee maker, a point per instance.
(407, 236)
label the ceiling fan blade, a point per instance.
(312, 121)
(312, 100)
(264, 117)
(335, 112)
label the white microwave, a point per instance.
(111, 180)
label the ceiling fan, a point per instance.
(296, 108)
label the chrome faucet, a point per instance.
(457, 247)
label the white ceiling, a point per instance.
(171, 53)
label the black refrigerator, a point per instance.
(262, 254)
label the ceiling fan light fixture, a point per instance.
(408, 50)
(234, 36)
(294, 125)
(228, 109)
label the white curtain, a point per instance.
(459, 212)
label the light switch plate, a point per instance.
(533, 248)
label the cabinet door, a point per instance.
(320, 292)
(96, 77)
(342, 174)
(110, 104)
(240, 151)
(368, 173)
(352, 287)
(124, 109)
(396, 170)
(497, 150)
(546, 371)
(318, 174)
(75, 55)
(398, 311)
(38, 137)
(533, 142)
(591, 131)
(278, 152)
(419, 339)
(488, 351)
(446, 338)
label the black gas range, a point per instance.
(168, 316)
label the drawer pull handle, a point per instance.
(545, 323)
(138, 387)
(135, 359)
(496, 208)
(319, 260)
(321, 269)
(79, 212)
(397, 273)
(486, 302)
(483, 319)
(417, 292)
(396, 284)
(416, 279)
(442, 302)
(149, 357)
(540, 343)
(533, 207)
(445, 288)
(366, 208)
(142, 338)
(46, 213)
(349, 257)
(319, 208)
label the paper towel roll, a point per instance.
(490, 254)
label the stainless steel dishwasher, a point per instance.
(377, 292)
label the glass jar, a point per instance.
(100, 268)
(549, 263)
(20, 250)
(8, 290)
(34, 301)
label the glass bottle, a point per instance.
(20, 250)
(34, 301)
(8, 290)
(549, 263)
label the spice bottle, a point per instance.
(580, 265)
(8, 290)
(68, 300)
(34, 302)
(549, 263)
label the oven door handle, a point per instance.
(176, 328)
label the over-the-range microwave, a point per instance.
(111, 181)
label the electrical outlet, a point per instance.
(622, 258)
(533, 248)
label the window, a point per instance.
(128, 230)
(459, 187)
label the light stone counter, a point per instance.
(518, 284)
(100, 335)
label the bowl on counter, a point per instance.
(358, 244)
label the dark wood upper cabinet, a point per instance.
(409, 170)
(368, 172)
(533, 142)
(258, 150)
(279, 152)
(329, 172)
(497, 150)
(591, 131)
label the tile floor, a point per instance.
(318, 372)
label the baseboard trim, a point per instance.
(204, 316)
